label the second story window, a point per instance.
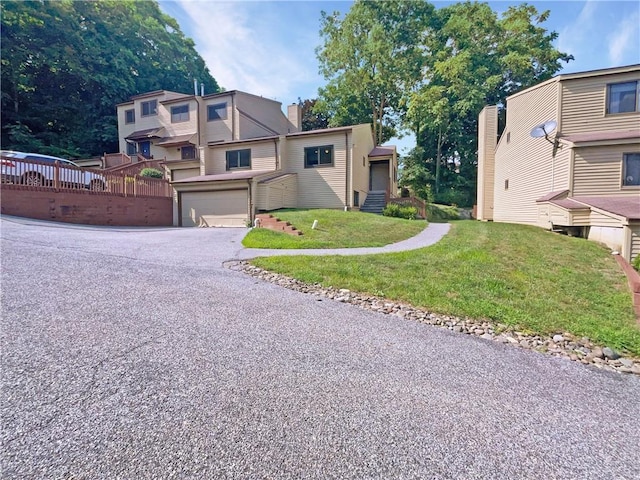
(180, 114)
(318, 156)
(622, 97)
(238, 159)
(631, 170)
(149, 108)
(130, 116)
(217, 112)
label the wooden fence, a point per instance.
(36, 175)
(420, 205)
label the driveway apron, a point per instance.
(133, 354)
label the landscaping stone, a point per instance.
(610, 353)
(563, 345)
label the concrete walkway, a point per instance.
(430, 235)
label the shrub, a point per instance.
(395, 210)
(636, 263)
(442, 213)
(151, 172)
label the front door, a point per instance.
(145, 149)
(379, 176)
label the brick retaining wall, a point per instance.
(85, 207)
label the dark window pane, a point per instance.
(238, 159)
(631, 169)
(180, 113)
(217, 111)
(622, 97)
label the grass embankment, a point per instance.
(336, 229)
(525, 277)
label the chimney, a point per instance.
(202, 89)
(294, 114)
(195, 87)
(487, 142)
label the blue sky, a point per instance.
(268, 47)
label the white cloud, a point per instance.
(575, 35)
(625, 41)
(245, 46)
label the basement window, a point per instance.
(356, 199)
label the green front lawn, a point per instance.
(518, 275)
(336, 229)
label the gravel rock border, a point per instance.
(563, 344)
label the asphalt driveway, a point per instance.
(134, 354)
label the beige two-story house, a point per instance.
(568, 158)
(232, 154)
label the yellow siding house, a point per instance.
(568, 158)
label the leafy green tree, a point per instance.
(312, 119)
(475, 59)
(371, 58)
(66, 64)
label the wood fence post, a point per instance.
(56, 174)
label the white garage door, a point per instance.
(226, 208)
(184, 173)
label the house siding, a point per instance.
(635, 240)
(218, 130)
(263, 157)
(184, 173)
(322, 187)
(360, 167)
(278, 193)
(522, 153)
(584, 105)
(603, 220)
(254, 111)
(598, 170)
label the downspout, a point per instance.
(250, 186)
(198, 126)
(275, 150)
(347, 170)
(233, 117)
